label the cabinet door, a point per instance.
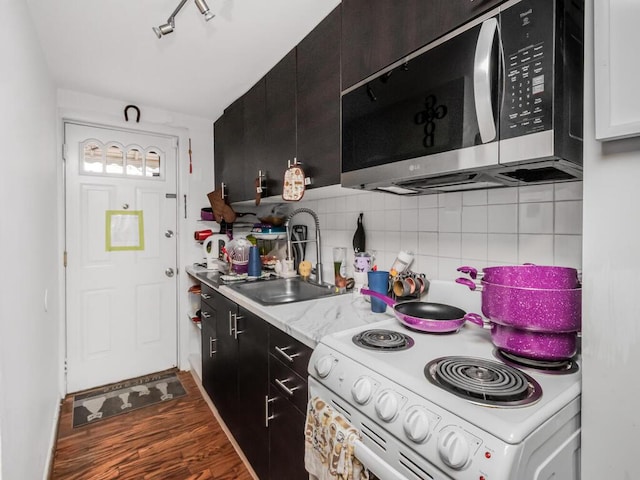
(281, 120)
(224, 384)
(318, 102)
(253, 436)
(286, 439)
(209, 346)
(254, 136)
(377, 33)
(230, 167)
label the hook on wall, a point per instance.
(126, 113)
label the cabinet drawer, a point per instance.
(207, 294)
(290, 385)
(290, 351)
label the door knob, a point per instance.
(169, 272)
(168, 233)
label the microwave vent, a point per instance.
(537, 175)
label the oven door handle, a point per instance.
(482, 80)
(374, 463)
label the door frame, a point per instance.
(101, 121)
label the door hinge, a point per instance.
(64, 152)
(64, 259)
(66, 366)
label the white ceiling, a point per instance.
(107, 48)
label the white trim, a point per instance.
(105, 121)
(606, 74)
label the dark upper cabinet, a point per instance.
(229, 151)
(255, 116)
(377, 33)
(318, 102)
(280, 102)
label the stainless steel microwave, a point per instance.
(496, 102)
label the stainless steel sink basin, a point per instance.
(284, 290)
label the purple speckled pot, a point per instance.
(534, 309)
(535, 345)
(527, 276)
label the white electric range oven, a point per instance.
(450, 406)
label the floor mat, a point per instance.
(115, 399)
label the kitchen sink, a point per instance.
(284, 290)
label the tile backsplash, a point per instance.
(539, 224)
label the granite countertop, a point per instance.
(306, 321)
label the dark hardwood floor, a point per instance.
(180, 439)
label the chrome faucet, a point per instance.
(317, 240)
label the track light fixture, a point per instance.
(171, 21)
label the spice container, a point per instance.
(401, 263)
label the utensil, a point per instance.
(534, 309)
(526, 276)
(359, 239)
(428, 317)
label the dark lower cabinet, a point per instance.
(288, 392)
(256, 376)
(286, 439)
(252, 434)
(235, 373)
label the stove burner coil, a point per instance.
(385, 340)
(484, 382)
(546, 366)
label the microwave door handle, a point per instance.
(482, 80)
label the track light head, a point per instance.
(170, 25)
(163, 29)
(204, 9)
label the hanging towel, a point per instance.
(329, 440)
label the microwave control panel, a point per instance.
(528, 40)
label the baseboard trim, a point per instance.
(53, 442)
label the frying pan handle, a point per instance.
(389, 301)
(477, 319)
(472, 272)
(467, 283)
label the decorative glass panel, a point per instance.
(115, 160)
(134, 162)
(92, 158)
(152, 164)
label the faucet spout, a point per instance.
(317, 239)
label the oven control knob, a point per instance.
(387, 405)
(416, 424)
(362, 390)
(453, 447)
(324, 365)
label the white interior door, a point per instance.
(121, 214)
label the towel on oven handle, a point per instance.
(329, 445)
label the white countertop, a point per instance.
(306, 321)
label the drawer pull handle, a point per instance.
(267, 417)
(287, 390)
(288, 357)
(206, 296)
(212, 352)
(205, 314)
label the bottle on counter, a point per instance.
(401, 263)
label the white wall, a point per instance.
(195, 185)
(611, 312)
(31, 257)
